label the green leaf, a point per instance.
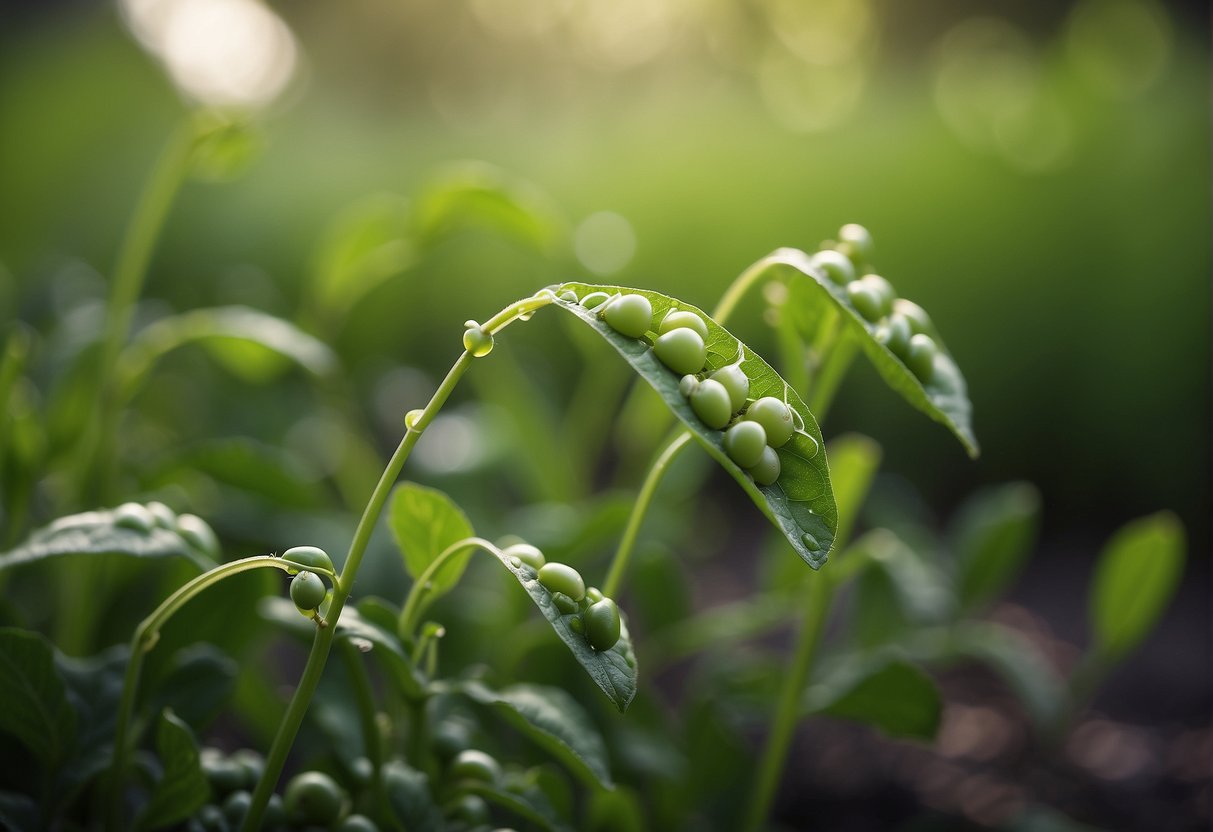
(362, 632)
(36, 709)
(252, 344)
(94, 533)
(249, 465)
(476, 194)
(183, 789)
(412, 801)
(425, 522)
(199, 682)
(800, 502)
(890, 694)
(553, 719)
(223, 147)
(363, 247)
(992, 538)
(898, 588)
(614, 670)
(1137, 574)
(945, 398)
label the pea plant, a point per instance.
(407, 743)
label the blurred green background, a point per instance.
(1037, 176)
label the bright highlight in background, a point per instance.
(604, 242)
(225, 53)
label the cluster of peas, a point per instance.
(901, 325)
(307, 588)
(751, 433)
(191, 528)
(597, 616)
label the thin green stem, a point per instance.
(788, 709)
(145, 638)
(627, 543)
(411, 614)
(739, 288)
(323, 640)
(368, 717)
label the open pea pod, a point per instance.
(944, 396)
(800, 502)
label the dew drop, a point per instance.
(362, 645)
(412, 417)
(516, 563)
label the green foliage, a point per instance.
(182, 789)
(1138, 572)
(992, 538)
(36, 709)
(888, 693)
(425, 522)
(800, 503)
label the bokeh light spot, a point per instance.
(604, 242)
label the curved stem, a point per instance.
(145, 638)
(738, 289)
(323, 640)
(645, 496)
(368, 717)
(421, 587)
(787, 711)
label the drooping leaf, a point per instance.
(183, 789)
(424, 522)
(94, 688)
(199, 682)
(411, 799)
(363, 246)
(1137, 574)
(800, 502)
(252, 344)
(613, 670)
(365, 634)
(888, 693)
(897, 588)
(36, 708)
(944, 398)
(552, 718)
(95, 533)
(992, 536)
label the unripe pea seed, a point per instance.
(593, 594)
(163, 516)
(197, 533)
(920, 321)
(775, 417)
(568, 296)
(560, 577)
(312, 797)
(679, 318)
(564, 603)
(602, 626)
(866, 300)
(682, 350)
(884, 289)
(307, 556)
(687, 385)
(473, 764)
(630, 315)
(767, 469)
(308, 591)
(744, 443)
(357, 823)
(472, 809)
(476, 341)
(836, 266)
(576, 625)
(859, 240)
(528, 554)
(711, 404)
(736, 382)
(895, 334)
(920, 357)
(133, 516)
(594, 299)
(236, 807)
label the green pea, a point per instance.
(560, 577)
(223, 774)
(313, 797)
(471, 809)
(679, 318)
(682, 350)
(602, 625)
(866, 300)
(712, 404)
(197, 533)
(920, 357)
(162, 515)
(858, 239)
(251, 763)
(595, 299)
(687, 385)
(568, 296)
(236, 807)
(895, 334)
(450, 736)
(275, 813)
(564, 603)
(307, 591)
(133, 516)
(593, 594)
(884, 289)
(775, 418)
(476, 341)
(629, 315)
(357, 823)
(473, 764)
(744, 443)
(307, 556)
(528, 554)
(211, 819)
(836, 266)
(767, 469)
(736, 382)
(920, 321)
